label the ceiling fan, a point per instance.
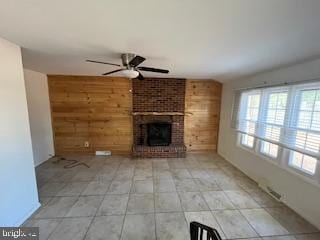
(130, 66)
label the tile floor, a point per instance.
(136, 199)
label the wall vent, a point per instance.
(103, 153)
(274, 194)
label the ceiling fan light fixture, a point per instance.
(130, 73)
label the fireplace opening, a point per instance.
(159, 134)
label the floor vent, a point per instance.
(274, 193)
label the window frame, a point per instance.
(301, 168)
(245, 145)
(244, 113)
(263, 115)
(295, 108)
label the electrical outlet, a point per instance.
(86, 144)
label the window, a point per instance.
(250, 113)
(303, 162)
(253, 103)
(282, 123)
(274, 119)
(307, 120)
(247, 140)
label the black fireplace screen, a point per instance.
(159, 134)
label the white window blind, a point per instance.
(273, 116)
(251, 112)
(286, 116)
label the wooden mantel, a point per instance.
(159, 113)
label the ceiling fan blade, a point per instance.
(114, 71)
(113, 64)
(140, 76)
(149, 69)
(136, 61)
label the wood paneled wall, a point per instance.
(202, 107)
(98, 110)
(93, 109)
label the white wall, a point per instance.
(19, 197)
(297, 193)
(39, 115)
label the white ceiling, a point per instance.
(222, 39)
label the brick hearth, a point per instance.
(158, 95)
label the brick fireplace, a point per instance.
(158, 106)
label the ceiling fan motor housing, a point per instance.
(126, 58)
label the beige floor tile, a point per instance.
(173, 164)
(73, 189)
(50, 189)
(186, 185)
(140, 203)
(171, 226)
(44, 200)
(143, 186)
(139, 227)
(57, 207)
(207, 184)
(114, 204)
(96, 188)
(105, 227)
(246, 182)
(263, 223)
(104, 176)
(167, 202)
(180, 173)
(85, 206)
(124, 175)
(279, 238)
(199, 173)
(85, 176)
(64, 176)
(234, 225)
(241, 199)
(71, 228)
(164, 185)
(119, 187)
(228, 184)
(160, 164)
(217, 200)
(192, 201)
(290, 220)
(263, 198)
(162, 174)
(46, 226)
(312, 236)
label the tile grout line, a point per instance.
(125, 214)
(93, 218)
(154, 202)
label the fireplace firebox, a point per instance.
(159, 134)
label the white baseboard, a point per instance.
(32, 211)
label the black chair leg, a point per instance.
(196, 228)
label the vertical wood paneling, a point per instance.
(94, 109)
(202, 107)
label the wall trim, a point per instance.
(29, 214)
